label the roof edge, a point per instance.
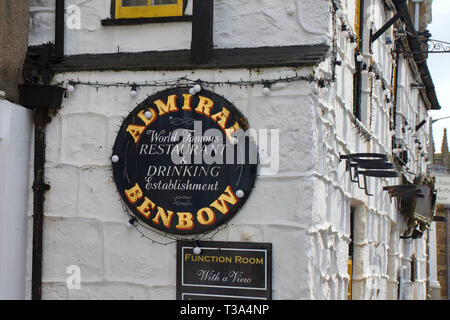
(419, 57)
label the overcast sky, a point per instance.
(439, 65)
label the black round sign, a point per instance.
(183, 160)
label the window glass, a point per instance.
(134, 3)
(163, 2)
(148, 8)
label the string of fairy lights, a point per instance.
(187, 82)
(195, 85)
(134, 223)
(343, 30)
(375, 75)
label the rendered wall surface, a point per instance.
(13, 44)
(85, 223)
(236, 23)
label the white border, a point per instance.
(220, 295)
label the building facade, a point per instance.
(340, 85)
(440, 169)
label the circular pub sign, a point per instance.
(184, 163)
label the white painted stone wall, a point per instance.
(379, 252)
(85, 224)
(236, 22)
(304, 210)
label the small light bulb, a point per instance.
(115, 158)
(192, 91)
(131, 222)
(359, 57)
(148, 115)
(71, 88)
(266, 91)
(197, 250)
(197, 88)
(353, 45)
(240, 194)
(134, 88)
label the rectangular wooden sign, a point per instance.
(224, 270)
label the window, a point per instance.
(124, 9)
(357, 78)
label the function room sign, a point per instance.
(183, 162)
(224, 270)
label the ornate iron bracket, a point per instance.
(437, 46)
(432, 45)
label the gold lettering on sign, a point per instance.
(185, 221)
(221, 118)
(221, 203)
(134, 194)
(210, 216)
(166, 218)
(135, 131)
(204, 106)
(187, 102)
(170, 106)
(144, 208)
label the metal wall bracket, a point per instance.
(383, 29)
(368, 165)
(405, 191)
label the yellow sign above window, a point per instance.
(148, 8)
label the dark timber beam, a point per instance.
(202, 31)
(260, 57)
(59, 28)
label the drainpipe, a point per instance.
(41, 119)
(43, 99)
